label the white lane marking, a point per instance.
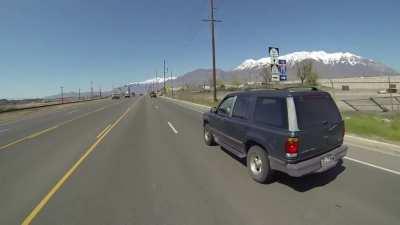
(375, 142)
(172, 127)
(385, 152)
(373, 165)
(188, 105)
(156, 107)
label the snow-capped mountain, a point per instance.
(155, 80)
(327, 65)
(143, 86)
(317, 56)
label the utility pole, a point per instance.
(91, 89)
(165, 90)
(62, 94)
(79, 94)
(156, 81)
(100, 92)
(390, 92)
(212, 20)
(172, 85)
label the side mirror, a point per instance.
(213, 110)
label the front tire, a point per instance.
(258, 165)
(208, 136)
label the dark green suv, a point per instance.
(295, 131)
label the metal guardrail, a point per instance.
(52, 103)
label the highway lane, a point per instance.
(153, 168)
(44, 119)
(15, 117)
(30, 168)
(367, 152)
(353, 187)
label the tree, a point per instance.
(304, 71)
(300, 68)
(312, 79)
(266, 74)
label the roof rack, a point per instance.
(311, 88)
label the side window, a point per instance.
(225, 108)
(241, 106)
(271, 112)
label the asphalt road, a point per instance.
(143, 161)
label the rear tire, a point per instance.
(208, 136)
(258, 165)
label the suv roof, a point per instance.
(284, 92)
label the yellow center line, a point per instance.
(28, 220)
(34, 135)
(103, 131)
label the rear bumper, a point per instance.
(312, 165)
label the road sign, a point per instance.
(275, 78)
(275, 72)
(274, 54)
(282, 66)
(282, 70)
(275, 69)
(282, 77)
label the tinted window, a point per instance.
(315, 110)
(226, 106)
(271, 112)
(241, 107)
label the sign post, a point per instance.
(274, 55)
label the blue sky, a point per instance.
(51, 43)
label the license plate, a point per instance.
(327, 160)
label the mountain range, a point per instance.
(327, 65)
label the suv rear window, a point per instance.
(271, 112)
(314, 110)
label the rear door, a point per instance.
(320, 123)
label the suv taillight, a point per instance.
(292, 147)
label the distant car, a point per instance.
(140, 94)
(153, 94)
(127, 95)
(297, 132)
(115, 96)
